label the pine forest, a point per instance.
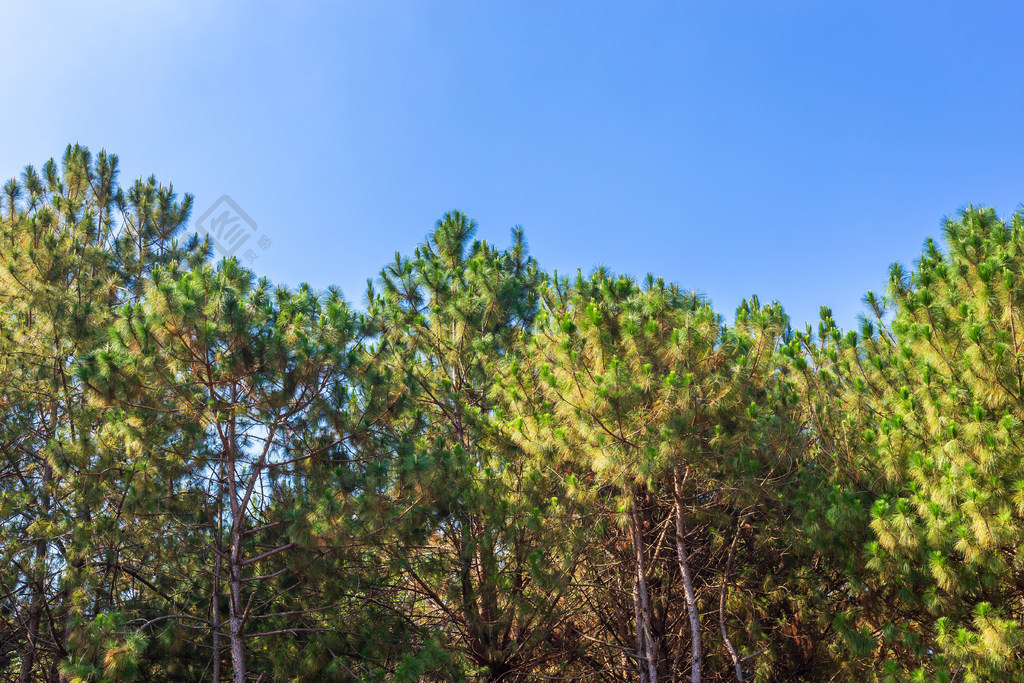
(478, 470)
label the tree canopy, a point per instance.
(489, 472)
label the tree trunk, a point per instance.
(215, 618)
(235, 618)
(236, 611)
(32, 635)
(641, 585)
(36, 610)
(696, 649)
(736, 662)
(641, 648)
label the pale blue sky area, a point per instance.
(792, 149)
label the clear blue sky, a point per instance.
(792, 149)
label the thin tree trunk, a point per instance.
(236, 608)
(696, 649)
(32, 634)
(236, 614)
(641, 584)
(215, 609)
(736, 662)
(216, 651)
(641, 649)
(36, 610)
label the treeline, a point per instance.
(492, 473)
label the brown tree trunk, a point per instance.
(31, 635)
(736, 661)
(28, 655)
(696, 649)
(641, 648)
(215, 616)
(644, 626)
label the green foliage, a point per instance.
(492, 474)
(479, 547)
(925, 421)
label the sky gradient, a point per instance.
(788, 149)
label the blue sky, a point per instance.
(789, 149)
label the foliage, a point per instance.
(490, 473)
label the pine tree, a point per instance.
(258, 380)
(72, 243)
(487, 572)
(493, 475)
(674, 426)
(932, 395)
